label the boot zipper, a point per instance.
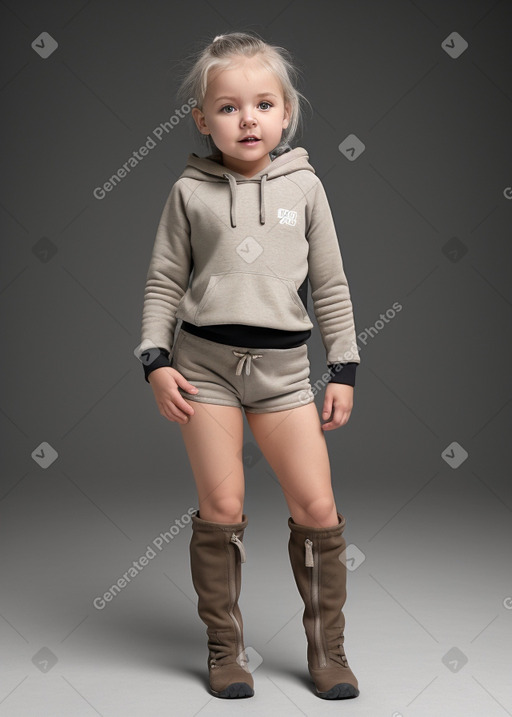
(309, 553)
(310, 562)
(234, 539)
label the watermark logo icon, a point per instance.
(454, 659)
(44, 249)
(454, 454)
(249, 249)
(250, 660)
(454, 45)
(44, 45)
(44, 659)
(44, 454)
(351, 147)
(352, 557)
(454, 249)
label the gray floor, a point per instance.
(429, 626)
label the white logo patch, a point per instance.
(287, 216)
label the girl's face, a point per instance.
(244, 100)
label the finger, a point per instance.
(327, 409)
(337, 419)
(328, 425)
(188, 387)
(182, 382)
(179, 408)
(175, 415)
(340, 418)
(181, 404)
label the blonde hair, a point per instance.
(220, 54)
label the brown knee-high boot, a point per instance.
(216, 554)
(321, 580)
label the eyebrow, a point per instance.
(261, 94)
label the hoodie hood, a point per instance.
(211, 169)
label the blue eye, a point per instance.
(263, 102)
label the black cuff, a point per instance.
(343, 373)
(161, 360)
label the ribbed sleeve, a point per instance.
(168, 274)
(329, 287)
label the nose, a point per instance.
(247, 119)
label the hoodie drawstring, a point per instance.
(232, 181)
(262, 199)
(232, 186)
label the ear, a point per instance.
(287, 114)
(200, 121)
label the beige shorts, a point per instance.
(260, 380)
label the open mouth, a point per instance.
(250, 140)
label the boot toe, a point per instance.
(341, 691)
(231, 680)
(234, 690)
(334, 684)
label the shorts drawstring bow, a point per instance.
(245, 357)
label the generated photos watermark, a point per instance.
(160, 132)
(161, 540)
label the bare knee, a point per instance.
(222, 509)
(319, 513)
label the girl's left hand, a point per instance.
(338, 401)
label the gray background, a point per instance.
(423, 217)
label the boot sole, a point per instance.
(235, 690)
(341, 691)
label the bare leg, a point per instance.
(294, 445)
(213, 438)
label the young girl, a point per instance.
(252, 222)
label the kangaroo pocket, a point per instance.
(239, 297)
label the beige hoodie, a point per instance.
(249, 244)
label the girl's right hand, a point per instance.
(171, 404)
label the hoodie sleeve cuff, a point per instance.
(343, 373)
(161, 360)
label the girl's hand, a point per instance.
(339, 399)
(171, 404)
